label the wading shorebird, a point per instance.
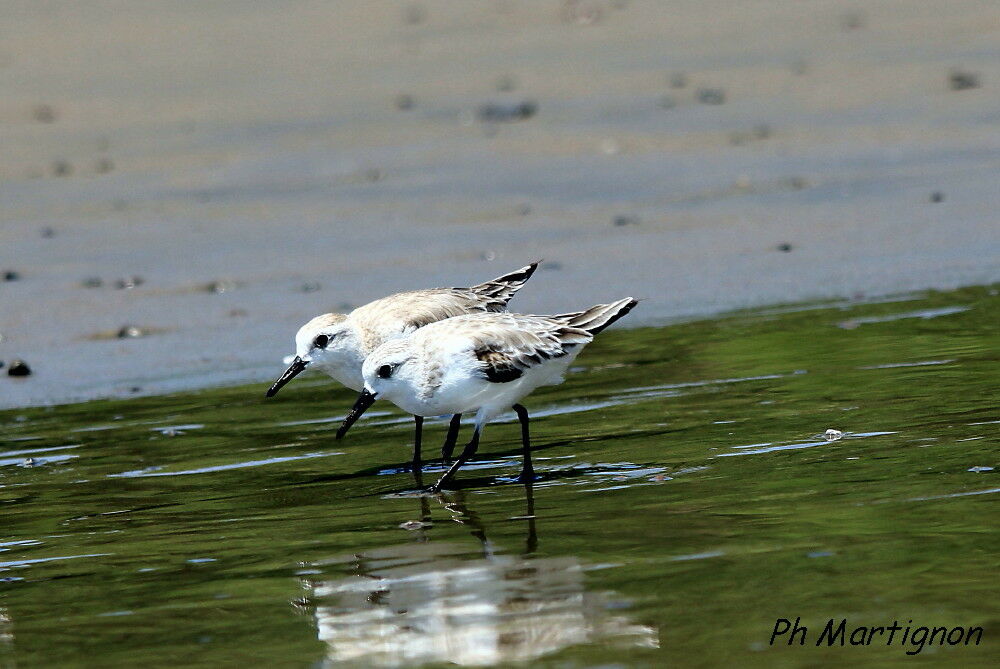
(338, 344)
(481, 362)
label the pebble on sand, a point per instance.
(62, 168)
(127, 283)
(711, 96)
(19, 368)
(784, 247)
(937, 196)
(221, 286)
(43, 113)
(496, 112)
(11, 275)
(962, 80)
(130, 332)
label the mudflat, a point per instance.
(184, 184)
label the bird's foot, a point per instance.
(526, 476)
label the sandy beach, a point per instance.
(209, 176)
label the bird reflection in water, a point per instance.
(424, 601)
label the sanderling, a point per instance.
(339, 343)
(480, 362)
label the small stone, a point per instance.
(961, 80)
(43, 113)
(222, 286)
(29, 462)
(495, 112)
(761, 131)
(11, 275)
(711, 96)
(678, 80)
(62, 168)
(784, 247)
(48, 233)
(796, 183)
(310, 287)
(404, 102)
(937, 196)
(19, 368)
(128, 283)
(623, 220)
(135, 389)
(522, 209)
(130, 332)
(104, 165)
(92, 282)
(237, 313)
(832, 435)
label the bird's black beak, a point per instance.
(293, 370)
(365, 400)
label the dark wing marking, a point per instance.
(497, 292)
(525, 342)
(498, 367)
(599, 316)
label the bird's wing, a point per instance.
(508, 345)
(496, 293)
(402, 313)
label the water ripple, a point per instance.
(145, 473)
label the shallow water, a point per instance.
(687, 498)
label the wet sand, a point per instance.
(257, 165)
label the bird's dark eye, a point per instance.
(384, 372)
(321, 341)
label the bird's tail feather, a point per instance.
(599, 316)
(503, 287)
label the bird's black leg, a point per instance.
(470, 450)
(449, 442)
(531, 544)
(417, 438)
(528, 470)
